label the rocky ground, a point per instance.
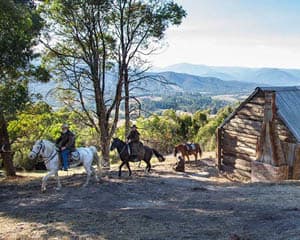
(198, 204)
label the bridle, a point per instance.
(42, 147)
(124, 147)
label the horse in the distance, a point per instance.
(122, 149)
(188, 149)
(47, 151)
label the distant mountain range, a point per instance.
(260, 76)
(182, 82)
(189, 78)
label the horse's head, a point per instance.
(115, 143)
(37, 149)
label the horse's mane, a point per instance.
(118, 139)
(46, 141)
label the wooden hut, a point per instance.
(261, 138)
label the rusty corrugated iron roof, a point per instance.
(287, 103)
(288, 107)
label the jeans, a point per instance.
(65, 155)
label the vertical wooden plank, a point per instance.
(296, 165)
(219, 148)
(270, 164)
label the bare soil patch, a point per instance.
(198, 204)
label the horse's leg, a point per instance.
(88, 172)
(45, 178)
(148, 166)
(188, 157)
(127, 164)
(95, 173)
(120, 168)
(58, 181)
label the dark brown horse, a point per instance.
(188, 149)
(122, 149)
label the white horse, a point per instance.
(48, 152)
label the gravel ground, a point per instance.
(198, 204)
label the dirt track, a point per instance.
(198, 204)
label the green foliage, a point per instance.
(206, 134)
(162, 132)
(19, 25)
(13, 97)
(159, 132)
(39, 121)
(165, 131)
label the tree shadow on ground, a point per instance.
(163, 205)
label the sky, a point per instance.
(247, 33)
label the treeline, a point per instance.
(182, 101)
(40, 121)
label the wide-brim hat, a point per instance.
(65, 125)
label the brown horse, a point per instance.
(188, 149)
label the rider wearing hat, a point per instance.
(133, 139)
(66, 144)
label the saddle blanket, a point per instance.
(190, 146)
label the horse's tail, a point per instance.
(96, 157)
(160, 157)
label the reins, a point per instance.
(46, 159)
(122, 150)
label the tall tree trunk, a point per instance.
(105, 144)
(7, 155)
(127, 97)
(102, 123)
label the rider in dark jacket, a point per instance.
(66, 144)
(133, 138)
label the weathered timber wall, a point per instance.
(238, 138)
(296, 167)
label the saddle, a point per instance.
(73, 158)
(136, 150)
(190, 146)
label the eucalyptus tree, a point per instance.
(92, 45)
(80, 45)
(19, 26)
(139, 27)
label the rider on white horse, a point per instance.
(47, 151)
(66, 144)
